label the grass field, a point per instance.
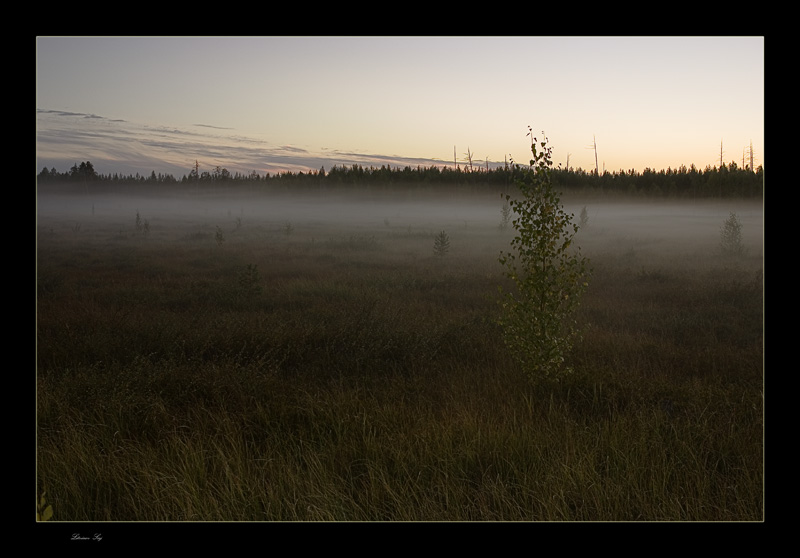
(236, 359)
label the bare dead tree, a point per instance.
(594, 146)
(469, 158)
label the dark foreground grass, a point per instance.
(356, 377)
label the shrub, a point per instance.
(537, 323)
(142, 225)
(441, 244)
(505, 216)
(731, 236)
(584, 218)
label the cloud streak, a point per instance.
(64, 138)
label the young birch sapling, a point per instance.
(549, 273)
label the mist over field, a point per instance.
(267, 300)
(245, 355)
(692, 224)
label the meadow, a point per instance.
(238, 358)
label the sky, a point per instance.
(271, 104)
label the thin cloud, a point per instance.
(76, 114)
(59, 112)
(210, 126)
(64, 138)
(294, 149)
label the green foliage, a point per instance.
(441, 244)
(537, 318)
(731, 236)
(44, 511)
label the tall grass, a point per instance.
(357, 377)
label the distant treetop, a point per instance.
(725, 181)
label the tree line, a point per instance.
(723, 181)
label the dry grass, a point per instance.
(366, 381)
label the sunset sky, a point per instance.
(142, 104)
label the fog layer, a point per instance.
(687, 222)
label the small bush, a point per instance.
(731, 236)
(550, 277)
(584, 222)
(505, 216)
(142, 225)
(441, 244)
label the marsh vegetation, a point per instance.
(312, 358)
